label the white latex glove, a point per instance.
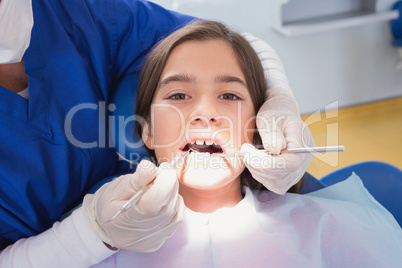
(280, 126)
(274, 70)
(147, 224)
(16, 21)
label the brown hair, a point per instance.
(247, 58)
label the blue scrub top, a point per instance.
(79, 49)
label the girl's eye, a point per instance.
(229, 96)
(178, 96)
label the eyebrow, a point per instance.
(190, 79)
(177, 78)
(229, 79)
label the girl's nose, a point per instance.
(205, 114)
(204, 121)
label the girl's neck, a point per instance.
(208, 201)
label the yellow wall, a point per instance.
(369, 132)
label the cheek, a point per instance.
(167, 127)
(249, 127)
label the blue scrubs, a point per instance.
(79, 49)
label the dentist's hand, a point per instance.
(147, 224)
(280, 126)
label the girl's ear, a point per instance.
(147, 136)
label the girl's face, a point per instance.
(202, 105)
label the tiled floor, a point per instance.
(369, 132)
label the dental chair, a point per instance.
(396, 26)
(383, 181)
(396, 30)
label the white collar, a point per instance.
(24, 93)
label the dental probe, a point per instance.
(322, 149)
(140, 192)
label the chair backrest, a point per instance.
(382, 180)
(396, 25)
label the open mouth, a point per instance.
(203, 147)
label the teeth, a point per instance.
(198, 142)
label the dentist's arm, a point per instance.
(70, 243)
(81, 240)
(280, 126)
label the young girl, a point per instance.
(199, 93)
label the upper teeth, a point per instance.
(200, 142)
